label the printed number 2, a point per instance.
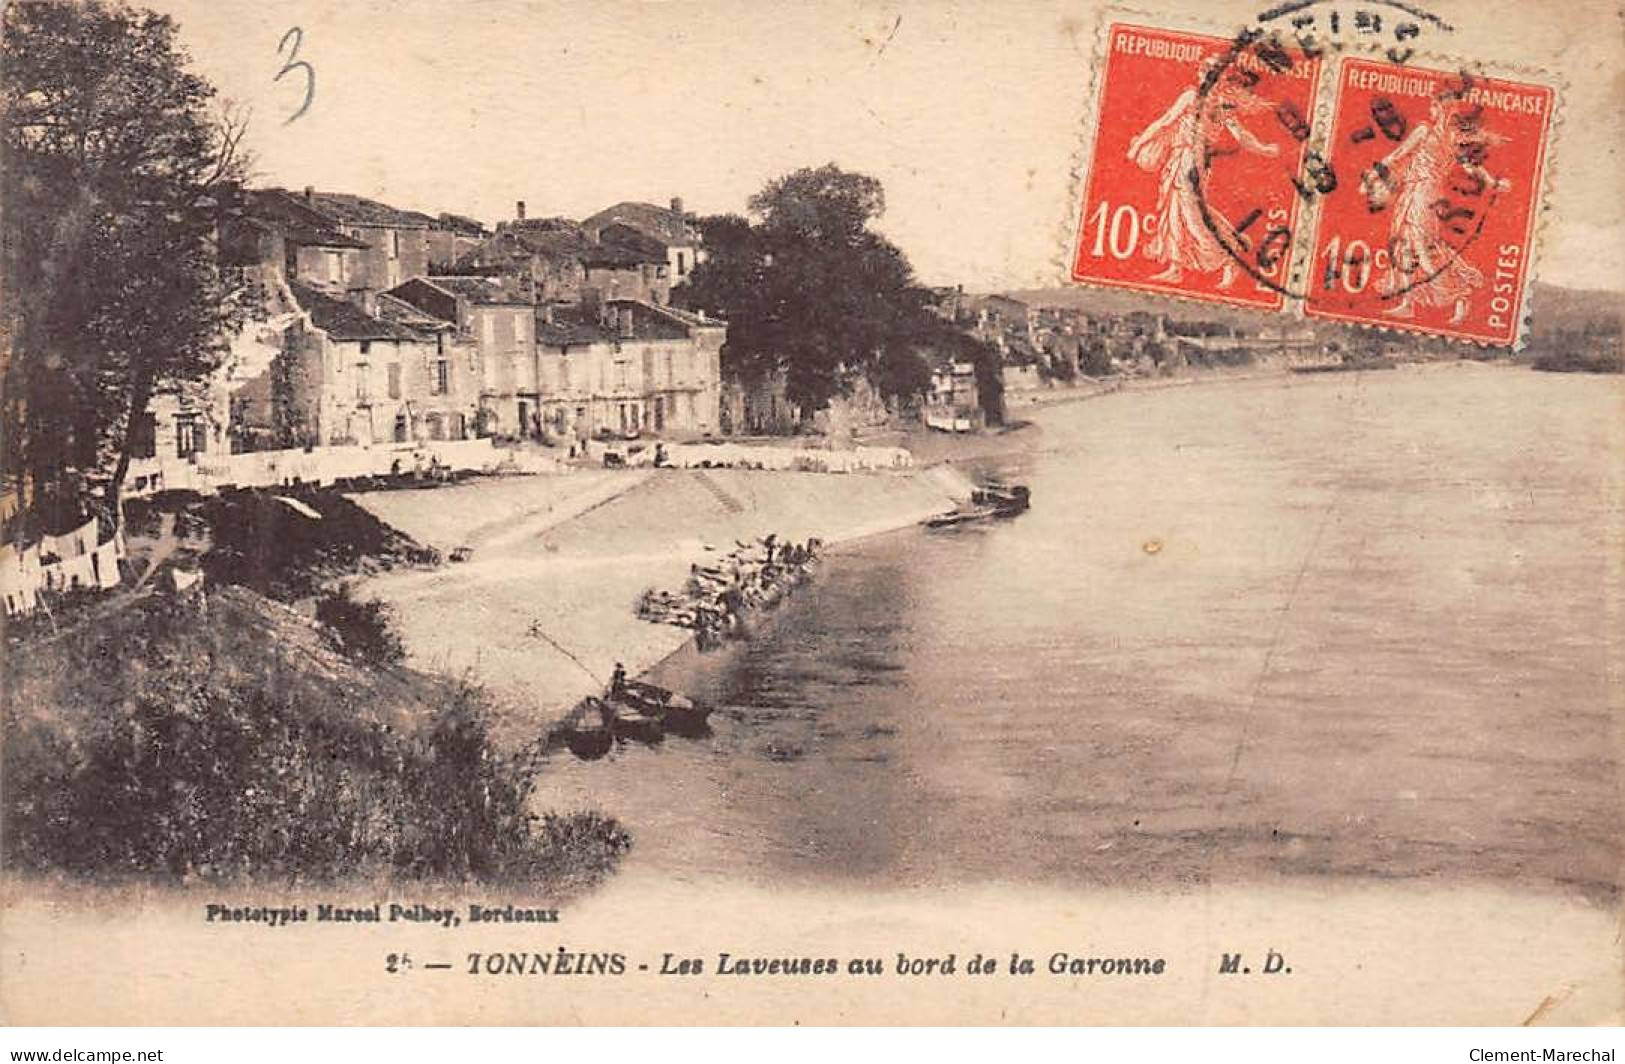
(293, 62)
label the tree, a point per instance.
(116, 167)
(810, 289)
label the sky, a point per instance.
(972, 115)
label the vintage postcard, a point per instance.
(708, 512)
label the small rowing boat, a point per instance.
(630, 722)
(677, 713)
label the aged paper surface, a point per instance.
(879, 513)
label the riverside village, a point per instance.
(348, 536)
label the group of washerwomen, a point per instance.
(752, 576)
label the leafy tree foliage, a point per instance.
(809, 288)
(360, 628)
(115, 165)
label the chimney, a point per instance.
(310, 193)
(519, 210)
(677, 205)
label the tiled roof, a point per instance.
(613, 257)
(555, 224)
(297, 222)
(567, 328)
(460, 224)
(400, 312)
(553, 242)
(481, 291)
(514, 246)
(358, 210)
(666, 226)
(624, 248)
(575, 324)
(346, 321)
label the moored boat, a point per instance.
(677, 713)
(962, 516)
(629, 721)
(1006, 499)
(586, 732)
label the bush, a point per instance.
(222, 789)
(190, 745)
(261, 542)
(363, 630)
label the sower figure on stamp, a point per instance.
(1179, 143)
(1426, 269)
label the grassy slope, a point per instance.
(220, 736)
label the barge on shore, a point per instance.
(986, 502)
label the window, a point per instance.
(488, 330)
(366, 348)
(189, 436)
(394, 380)
(442, 377)
(394, 243)
(682, 264)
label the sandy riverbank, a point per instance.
(545, 607)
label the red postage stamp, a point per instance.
(1431, 229)
(1199, 149)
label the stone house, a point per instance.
(545, 253)
(346, 377)
(500, 326)
(954, 401)
(628, 367)
(395, 242)
(271, 238)
(625, 264)
(450, 237)
(670, 227)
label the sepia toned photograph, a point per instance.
(705, 512)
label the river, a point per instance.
(1329, 625)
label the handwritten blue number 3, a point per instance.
(295, 63)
